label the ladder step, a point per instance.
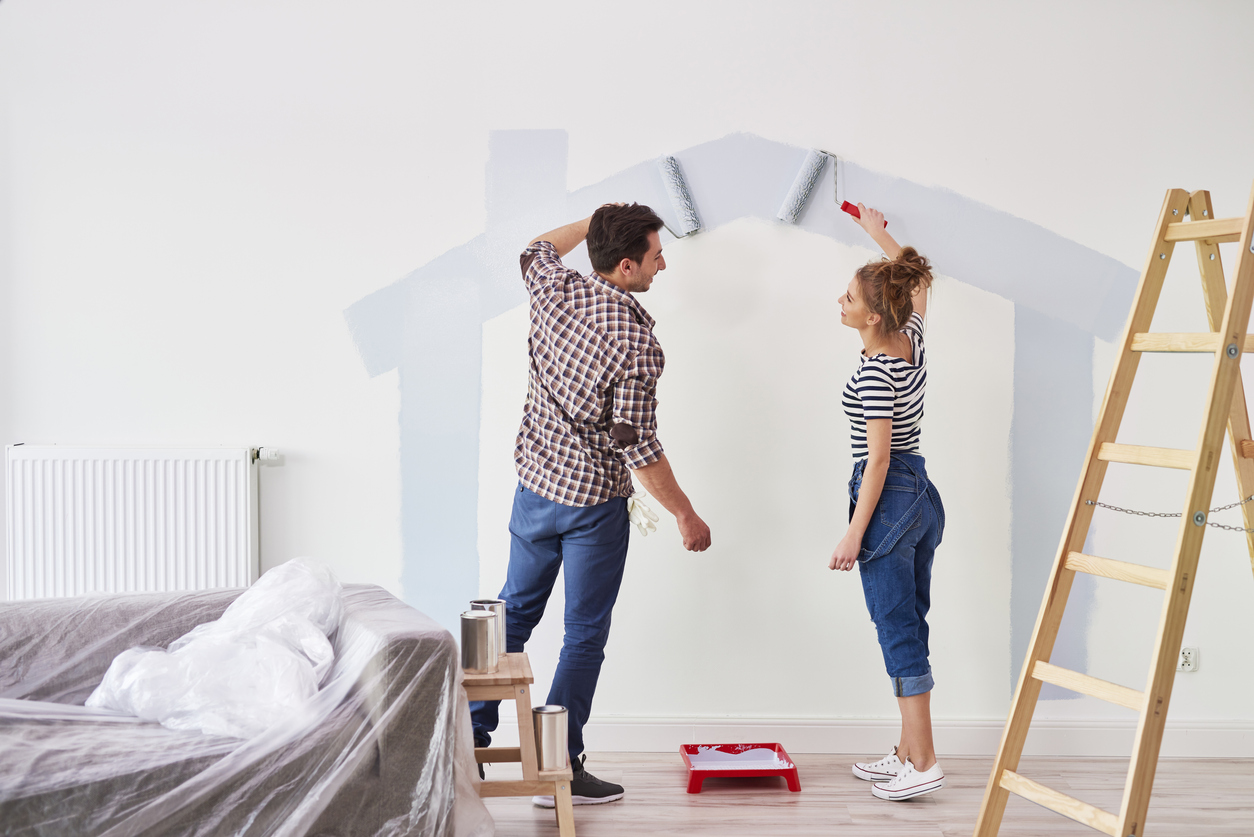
(1141, 455)
(1060, 803)
(1219, 229)
(1118, 570)
(1183, 342)
(1091, 686)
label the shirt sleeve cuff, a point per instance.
(645, 453)
(538, 247)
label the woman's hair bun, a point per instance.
(889, 286)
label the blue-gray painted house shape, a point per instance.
(429, 325)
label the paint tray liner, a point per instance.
(709, 761)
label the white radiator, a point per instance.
(116, 520)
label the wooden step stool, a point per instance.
(512, 681)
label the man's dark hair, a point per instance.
(620, 232)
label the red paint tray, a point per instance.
(707, 761)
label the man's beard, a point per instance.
(641, 286)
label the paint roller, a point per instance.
(681, 198)
(803, 185)
(807, 178)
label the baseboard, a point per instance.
(1099, 737)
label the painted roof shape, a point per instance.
(743, 175)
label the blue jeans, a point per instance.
(592, 544)
(896, 567)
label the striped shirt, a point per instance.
(594, 364)
(889, 388)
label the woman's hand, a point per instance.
(872, 220)
(846, 553)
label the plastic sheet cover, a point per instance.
(378, 745)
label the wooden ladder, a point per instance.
(1225, 406)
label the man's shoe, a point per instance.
(884, 770)
(910, 783)
(585, 789)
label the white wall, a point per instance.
(758, 627)
(194, 194)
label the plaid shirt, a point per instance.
(594, 364)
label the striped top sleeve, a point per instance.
(886, 387)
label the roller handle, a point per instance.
(852, 209)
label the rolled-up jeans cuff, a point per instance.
(911, 686)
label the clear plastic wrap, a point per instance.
(239, 675)
(382, 748)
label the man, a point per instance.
(589, 422)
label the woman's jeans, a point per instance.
(895, 564)
(590, 546)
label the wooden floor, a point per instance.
(1192, 797)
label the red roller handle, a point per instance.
(852, 209)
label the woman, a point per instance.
(895, 513)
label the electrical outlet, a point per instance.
(1189, 660)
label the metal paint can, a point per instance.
(551, 748)
(479, 652)
(497, 606)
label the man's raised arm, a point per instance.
(567, 238)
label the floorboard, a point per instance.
(1212, 797)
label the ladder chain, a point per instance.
(1177, 514)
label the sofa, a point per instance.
(384, 748)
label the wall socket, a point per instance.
(1189, 660)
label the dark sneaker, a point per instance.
(585, 789)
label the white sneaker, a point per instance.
(910, 782)
(883, 770)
